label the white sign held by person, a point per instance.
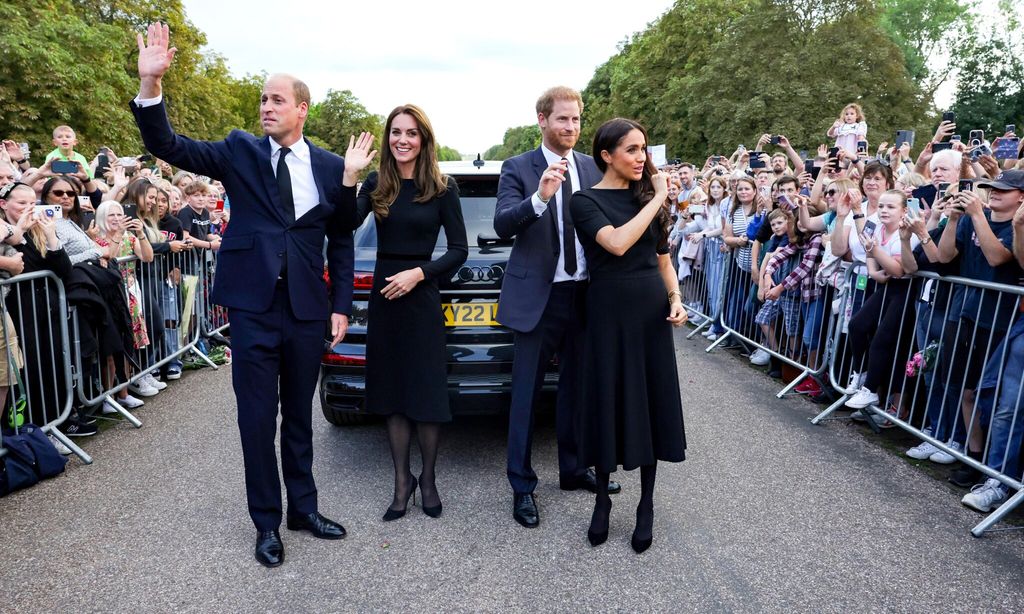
(657, 154)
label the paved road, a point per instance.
(768, 513)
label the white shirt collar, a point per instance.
(552, 157)
(299, 149)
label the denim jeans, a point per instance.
(714, 261)
(1007, 422)
(943, 409)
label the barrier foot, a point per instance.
(718, 341)
(64, 439)
(793, 384)
(699, 328)
(204, 358)
(124, 412)
(873, 409)
(1004, 509)
(831, 408)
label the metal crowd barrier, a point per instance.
(701, 284)
(932, 342)
(34, 323)
(169, 295)
(214, 317)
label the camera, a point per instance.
(775, 140)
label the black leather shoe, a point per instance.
(524, 510)
(316, 524)
(269, 549)
(588, 482)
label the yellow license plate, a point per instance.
(469, 314)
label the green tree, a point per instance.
(926, 29)
(340, 116)
(516, 141)
(448, 154)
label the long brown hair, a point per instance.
(430, 182)
(735, 202)
(607, 138)
(136, 195)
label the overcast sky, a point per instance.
(476, 68)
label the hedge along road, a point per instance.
(767, 513)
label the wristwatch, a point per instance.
(858, 216)
(10, 231)
(926, 240)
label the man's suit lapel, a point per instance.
(270, 182)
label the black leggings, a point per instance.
(876, 330)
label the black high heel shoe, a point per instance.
(641, 544)
(391, 514)
(434, 511)
(598, 536)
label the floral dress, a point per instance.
(131, 286)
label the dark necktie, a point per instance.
(568, 230)
(284, 185)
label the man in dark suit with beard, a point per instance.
(543, 290)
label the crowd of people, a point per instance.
(127, 237)
(838, 237)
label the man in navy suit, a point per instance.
(286, 195)
(542, 293)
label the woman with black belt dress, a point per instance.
(632, 415)
(406, 373)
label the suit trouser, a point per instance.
(270, 349)
(559, 332)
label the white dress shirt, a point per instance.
(300, 167)
(539, 207)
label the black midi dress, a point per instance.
(406, 360)
(630, 413)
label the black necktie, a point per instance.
(568, 230)
(284, 185)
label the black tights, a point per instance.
(428, 435)
(644, 511)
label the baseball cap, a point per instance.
(1007, 180)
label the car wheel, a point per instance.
(346, 418)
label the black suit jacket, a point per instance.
(260, 234)
(531, 266)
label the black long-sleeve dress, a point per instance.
(406, 370)
(630, 413)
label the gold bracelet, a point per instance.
(675, 293)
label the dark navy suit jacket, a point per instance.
(526, 285)
(260, 234)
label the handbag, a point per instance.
(30, 457)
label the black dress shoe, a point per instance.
(269, 549)
(524, 510)
(588, 482)
(316, 524)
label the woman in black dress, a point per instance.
(631, 412)
(406, 372)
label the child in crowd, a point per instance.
(64, 140)
(849, 128)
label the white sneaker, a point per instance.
(707, 333)
(143, 389)
(712, 337)
(130, 402)
(862, 399)
(153, 382)
(943, 458)
(856, 381)
(63, 449)
(922, 451)
(760, 358)
(985, 497)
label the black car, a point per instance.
(479, 349)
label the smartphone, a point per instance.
(84, 201)
(808, 166)
(978, 152)
(815, 171)
(102, 164)
(1007, 149)
(88, 218)
(943, 188)
(956, 137)
(775, 140)
(949, 116)
(756, 161)
(965, 185)
(145, 157)
(786, 203)
(914, 207)
(716, 159)
(904, 136)
(1009, 128)
(62, 167)
(862, 147)
(24, 149)
(220, 205)
(128, 162)
(742, 147)
(977, 136)
(925, 193)
(869, 228)
(937, 147)
(49, 211)
(832, 153)
(131, 212)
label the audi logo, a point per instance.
(480, 273)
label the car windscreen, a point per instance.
(478, 196)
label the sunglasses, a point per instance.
(830, 192)
(63, 193)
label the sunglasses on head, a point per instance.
(63, 193)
